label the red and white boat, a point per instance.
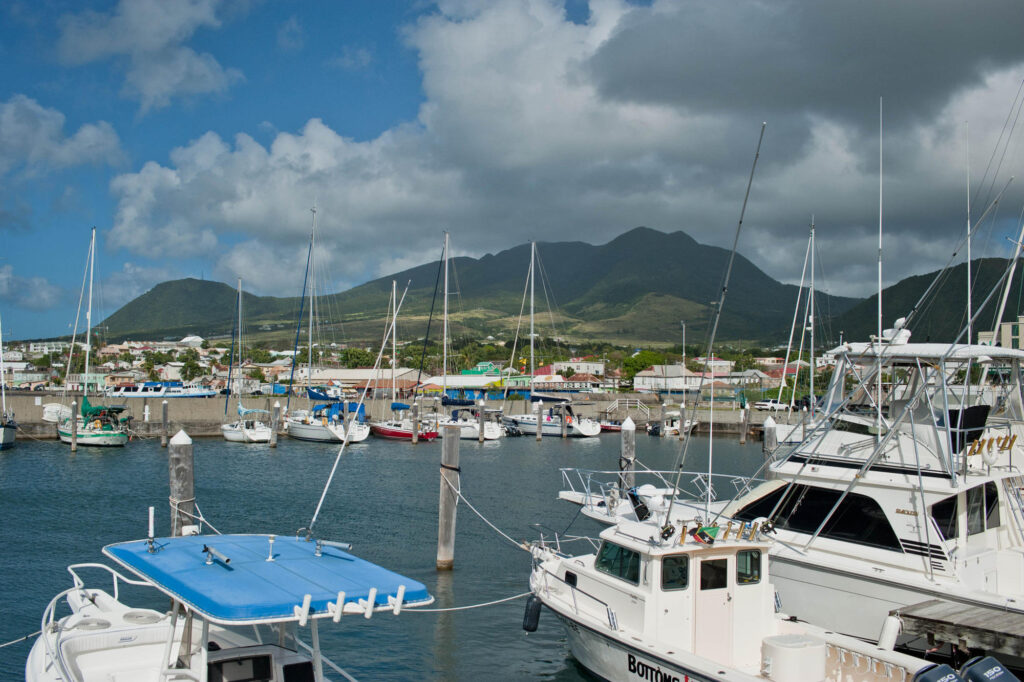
(400, 429)
(614, 426)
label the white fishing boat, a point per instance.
(247, 428)
(656, 603)
(673, 424)
(551, 423)
(100, 425)
(239, 603)
(161, 389)
(8, 427)
(325, 424)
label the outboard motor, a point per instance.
(938, 673)
(986, 669)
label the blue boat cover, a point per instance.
(399, 406)
(251, 589)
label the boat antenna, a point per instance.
(878, 338)
(667, 529)
(298, 327)
(967, 154)
(359, 405)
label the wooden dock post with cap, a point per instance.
(165, 431)
(74, 426)
(448, 499)
(181, 467)
(564, 412)
(275, 422)
(538, 411)
(480, 420)
(627, 456)
(744, 424)
(415, 423)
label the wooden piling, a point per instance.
(74, 426)
(663, 421)
(683, 430)
(165, 430)
(771, 437)
(538, 410)
(415, 423)
(448, 499)
(744, 418)
(182, 474)
(275, 421)
(563, 412)
(627, 456)
(480, 420)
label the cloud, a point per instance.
(289, 35)
(534, 126)
(151, 35)
(351, 59)
(30, 293)
(130, 282)
(32, 139)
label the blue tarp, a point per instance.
(332, 410)
(399, 406)
(252, 589)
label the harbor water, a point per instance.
(59, 508)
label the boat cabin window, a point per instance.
(944, 514)
(299, 672)
(249, 669)
(714, 574)
(675, 572)
(859, 518)
(982, 508)
(618, 561)
(748, 567)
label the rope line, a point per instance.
(22, 639)
(466, 608)
(458, 493)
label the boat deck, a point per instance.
(972, 627)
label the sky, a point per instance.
(196, 135)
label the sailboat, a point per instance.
(400, 427)
(8, 427)
(247, 429)
(323, 422)
(469, 429)
(550, 424)
(98, 425)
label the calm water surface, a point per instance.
(59, 508)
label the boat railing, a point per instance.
(598, 486)
(47, 625)
(610, 616)
(560, 537)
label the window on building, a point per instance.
(618, 561)
(714, 574)
(675, 572)
(748, 567)
(858, 518)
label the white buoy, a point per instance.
(891, 628)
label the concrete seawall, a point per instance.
(201, 417)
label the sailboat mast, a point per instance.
(533, 250)
(810, 318)
(444, 351)
(238, 381)
(878, 341)
(88, 314)
(394, 335)
(312, 299)
(967, 145)
(3, 375)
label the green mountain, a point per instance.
(943, 315)
(634, 289)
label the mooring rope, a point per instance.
(460, 496)
(22, 639)
(466, 608)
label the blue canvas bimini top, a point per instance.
(250, 588)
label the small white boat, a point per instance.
(238, 605)
(324, 424)
(469, 429)
(551, 424)
(657, 604)
(98, 426)
(246, 431)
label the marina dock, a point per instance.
(969, 627)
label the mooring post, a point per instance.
(183, 492)
(74, 426)
(744, 417)
(480, 420)
(415, 423)
(684, 431)
(538, 411)
(275, 421)
(627, 457)
(663, 421)
(771, 437)
(564, 412)
(448, 499)
(165, 429)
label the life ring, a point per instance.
(97, 424)
(990, 454)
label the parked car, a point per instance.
(805, 402)
(770, 404)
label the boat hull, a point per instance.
(325, 433)
(399, 433)
(236, 433)
(471, 430)
(7, 435)
(91, 437)
(552, 426)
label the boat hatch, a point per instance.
(235, 579)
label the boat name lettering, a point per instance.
(1004, 443)
(651, 673)
(908, 512)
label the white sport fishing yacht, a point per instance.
(908, 488)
